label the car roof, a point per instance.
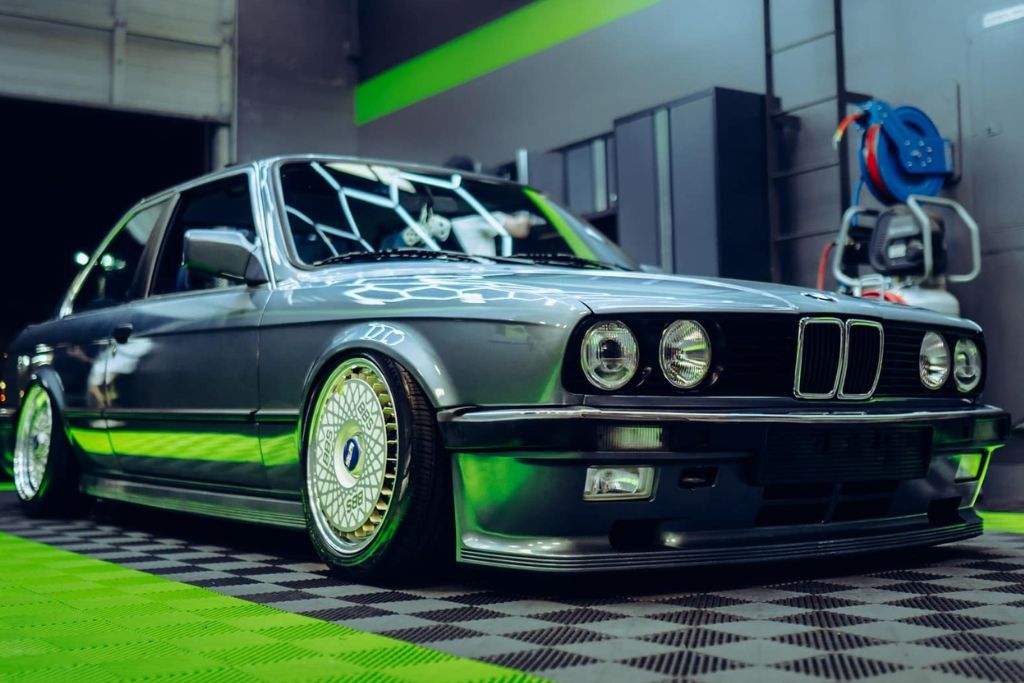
(270, 161)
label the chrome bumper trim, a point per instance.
(471, 415)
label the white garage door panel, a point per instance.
(163, 56)
(197, 21)
(96, 13)
(39, 59)
(168, 76)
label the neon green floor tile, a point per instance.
(87, 673)
(1005, 522)
(65, 617)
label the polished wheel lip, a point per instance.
(33, 442)
(333, 424)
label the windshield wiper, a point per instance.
(388, 254)
(560, 259)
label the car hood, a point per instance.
(603, 292)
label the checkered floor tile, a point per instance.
(948, 614)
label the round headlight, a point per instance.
(685, 353)
(966, 364)
(934, 361)
(609, 355)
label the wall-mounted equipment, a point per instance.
(691, 185)
(901, 152)
(899, 253)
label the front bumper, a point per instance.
(784, 484)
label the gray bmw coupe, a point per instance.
(416, 365)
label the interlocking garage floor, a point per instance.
(954, 613)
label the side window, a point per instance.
(116, 276)
(219, 205)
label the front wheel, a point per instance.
(45, 470)
(377, 490)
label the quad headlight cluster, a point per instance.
(936, 362)
(610, 355)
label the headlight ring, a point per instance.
(934, 361)
(685, 353)
(609, 355)
(966, 365)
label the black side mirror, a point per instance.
(225, 253)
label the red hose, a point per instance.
(891, 297)
(872, 138)
(823, 264)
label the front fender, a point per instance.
(457, 362)
(404, 345)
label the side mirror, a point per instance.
(225, 253)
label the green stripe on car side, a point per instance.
(67, 617)
(518, 34)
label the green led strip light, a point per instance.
(518, 34)
(66, 617)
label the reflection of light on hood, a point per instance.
(469, 290)
(1002, 16)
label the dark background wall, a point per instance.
(576, 89)
(393, 31)
(295, 78)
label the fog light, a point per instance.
(968, 466)
(618, 483)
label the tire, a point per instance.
(46, 473)
(376, 485)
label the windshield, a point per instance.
(338, 207)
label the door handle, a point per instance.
(122, 332)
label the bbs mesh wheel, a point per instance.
(377, 490)
(45, 469)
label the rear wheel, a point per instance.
(45, 470)
(377, 491)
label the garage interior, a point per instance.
(696, 134)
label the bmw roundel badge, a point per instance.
(350, 454)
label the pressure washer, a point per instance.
(898, 253)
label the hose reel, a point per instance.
(901, 152)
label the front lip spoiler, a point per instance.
(475, 415)
(494, 553)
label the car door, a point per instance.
(182, 376)
(78, 343)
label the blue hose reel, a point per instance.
(901, 152)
